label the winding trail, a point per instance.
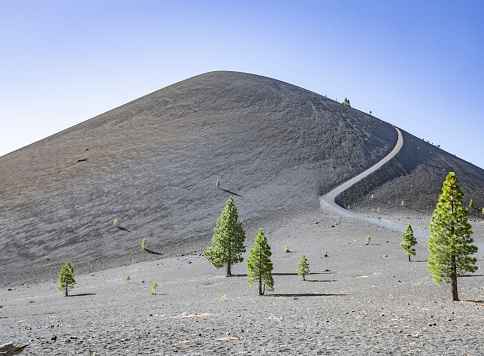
(328, 204)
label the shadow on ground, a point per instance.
(153, 252)
(296, 295)
(231, 193)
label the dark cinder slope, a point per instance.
(415, 177)
(153, 164)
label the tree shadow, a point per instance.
(419, 261)
(321, 280)
(296, 295)
(81, 294)
(295, 274)
(153, 252)
(122, 228)
(231, 193)
(471, 275)
(238, 275)
(474, 301)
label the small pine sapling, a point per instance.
(143, 243)
(286, 248)
(217, 184)
(409, 241)
(303, 267)
(115, 222)
(471, 204)
(153, 288)
(66, 278)
(367, 240)
(127, 279)
(133, 261)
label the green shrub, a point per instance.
(153, 288)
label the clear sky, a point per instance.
(416, 64)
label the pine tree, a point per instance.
(144, 243)
(66, 278)
(450, 243)
(408, 242)
(259, 264)
(228, 239)
(303, 267)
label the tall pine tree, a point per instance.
(450, 243)
(259, 264)
(408, 242)
(228, 239)
(66, 278)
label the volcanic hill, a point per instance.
(152, 164)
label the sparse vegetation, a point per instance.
(286, 248)
(223, 298)
(133, 261)
(115, 222)
(128, 278)
(367, 240)
(143, 243)
(259, 265)
(450, 244)
(303, 267)
(471, 204)
(228, 239)
(154, 285)
(409, 241)
(217, 184)
(66, 278)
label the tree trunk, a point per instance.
(261, 292)
(67, 293)
(453, 278)
(229, 270)
(409, 258)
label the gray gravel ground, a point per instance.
(356, 301)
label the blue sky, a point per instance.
(415, 64)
